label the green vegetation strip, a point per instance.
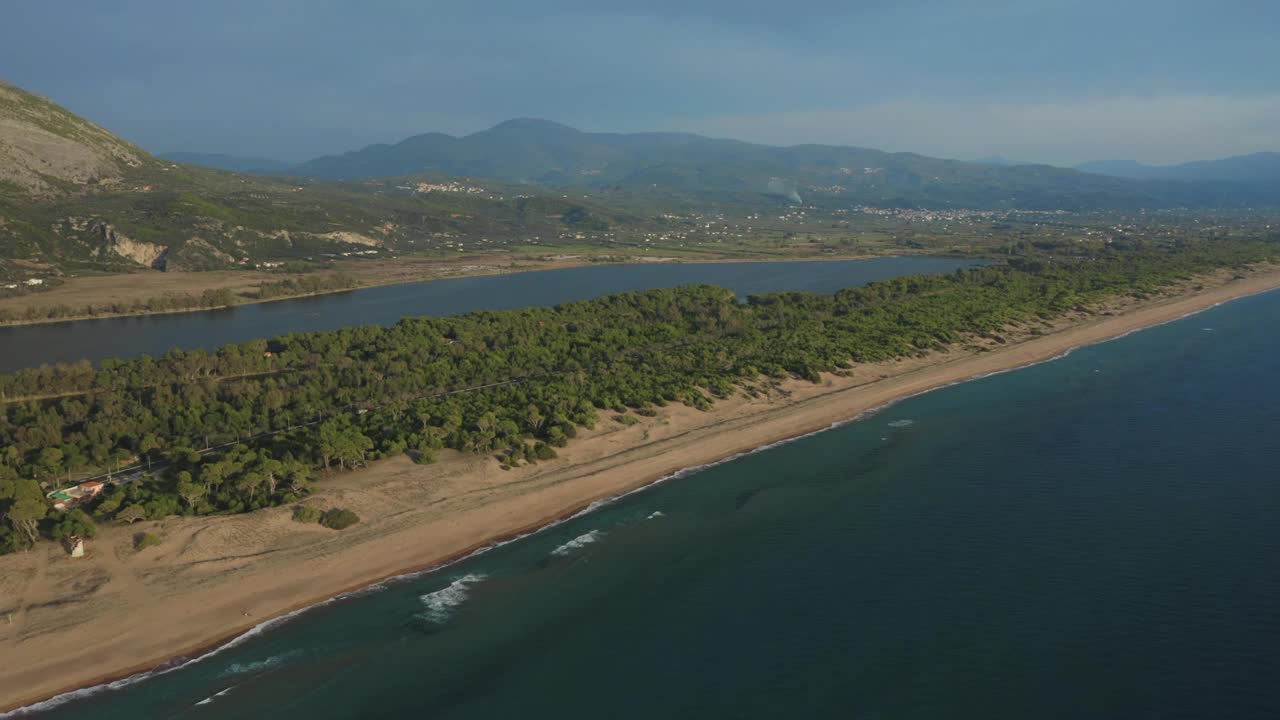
(515, 384)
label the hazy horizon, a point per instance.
(995, 158)
(1036, 81)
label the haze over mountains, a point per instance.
(553, 155)
(72, 192)
(233, 163)
(1260, 169)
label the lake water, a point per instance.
(1094, 537)
(126, 337)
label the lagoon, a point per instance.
(127, 337)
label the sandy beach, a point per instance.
(70, 623)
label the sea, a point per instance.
(1093, 537)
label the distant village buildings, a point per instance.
(450, 187)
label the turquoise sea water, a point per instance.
(1094, 537)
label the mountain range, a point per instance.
(74, 194)
(1258, 169)
(74, 197)
(549, 154)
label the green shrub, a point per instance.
(338, 519)
(307, 514)
(74, 522)
(144, 540)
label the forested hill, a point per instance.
(541, 152)
(255, 424)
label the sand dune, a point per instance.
(70, 623)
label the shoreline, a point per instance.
(613, 462)
(219, 308)
(536, 265)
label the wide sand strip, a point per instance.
(70, 623)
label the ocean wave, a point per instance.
(441, 603)
(215, 696)
(258, 666)
(902, 423)
(581, 541)
(655, 514)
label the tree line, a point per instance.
(294, 408)
(307, 285)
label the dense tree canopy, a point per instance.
(254, 424)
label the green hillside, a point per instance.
(545, 153)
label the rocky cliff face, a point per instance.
(353, 238)
(151, 255)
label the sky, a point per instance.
(1058, 81)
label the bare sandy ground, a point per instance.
(142, 285)
(77, 292)
(68, 623)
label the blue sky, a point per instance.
(1046, 80)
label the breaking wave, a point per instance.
(215, 696)
(439, 605)
(902, 423)
(257, 666)
(579, 542)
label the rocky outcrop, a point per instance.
(352, 238)
(151, 255)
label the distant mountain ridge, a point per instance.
(547, 153)
(232, 163)
(74, 197)
(1261, 169)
